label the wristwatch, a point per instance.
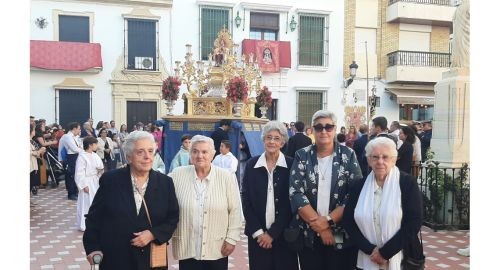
(330, 220)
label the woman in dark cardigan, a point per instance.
(266, 205)
(384, 212)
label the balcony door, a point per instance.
(74, 106)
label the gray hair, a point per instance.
(86, 124)
(128, 145)
(202, 139)
(324, 114)
(277, 126)
(381, 141)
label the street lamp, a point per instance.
(293, 24)
(352, 72)
(237, 20)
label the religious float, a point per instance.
(206, 101)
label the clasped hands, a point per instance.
(265, 241)
(320, 225)
(377, 258)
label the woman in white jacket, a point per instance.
(105, 150)
(88, 169)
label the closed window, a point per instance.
(213, 19)
(308, 102)
(313, 40)
(73, 106)
(74, 28)
(141, 44)
(264, 26)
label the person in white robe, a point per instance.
(89, 168)
(226, 160)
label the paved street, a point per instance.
(55, 243)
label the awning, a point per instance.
(413, 96)
(67, 56)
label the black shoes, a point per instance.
(73, 197)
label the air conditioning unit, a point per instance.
(143, 62)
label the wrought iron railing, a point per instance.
(414, 58)
(446, 195)
(429, 2)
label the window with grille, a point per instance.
(213, 19)
(313, 40)
(264, 26)
(74, 28)
(142, 44)
(308, 102)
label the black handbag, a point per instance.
(294, 237)
(410, 262)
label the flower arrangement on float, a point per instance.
(170, 92)
(265, 100)
(237, 92)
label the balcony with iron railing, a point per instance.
(435, 12)
(414, 66)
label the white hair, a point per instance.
(324, 114)
(277, 126)
(129, 144)
(202, 139)
(381, 141)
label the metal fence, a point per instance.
(414, 58)
(430, 2)
(446, 195)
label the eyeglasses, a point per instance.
(271, 138)
(383, 157)
(320, 127)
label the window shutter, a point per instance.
(265, 21)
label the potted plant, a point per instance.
(264, 100)
(237, 92)
(170, 92)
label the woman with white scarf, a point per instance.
(384, 212)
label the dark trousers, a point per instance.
(34, 179)
(277, 258)
(192, 264)
(327, 258)
(70, 174)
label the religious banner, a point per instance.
(267, 55)
(275, 57)
(355, 115)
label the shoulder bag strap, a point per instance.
(145, 206)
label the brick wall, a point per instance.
(349, 24)
(440, 39)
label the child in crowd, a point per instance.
(182, 157)
(88, 170)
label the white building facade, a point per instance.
(126, 86)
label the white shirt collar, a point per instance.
(209, 176)
(262, 162)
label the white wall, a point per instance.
(108, 31)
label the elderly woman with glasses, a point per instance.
(384, 213)
(320, 178)
(133, 207)
(210, 212)
(265, 203)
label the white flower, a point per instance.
(314, 191)
(300, 166)
(301, 189)
(341, 183)
(301, 173)
(336, 196)
(335, 163)
(316, 168)
(344, 158)
(293, 172)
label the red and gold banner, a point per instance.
(270, 55)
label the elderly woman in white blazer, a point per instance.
(105, 150)
(210, 216)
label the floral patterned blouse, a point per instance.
(304, 176)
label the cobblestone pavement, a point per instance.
(55, 243)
